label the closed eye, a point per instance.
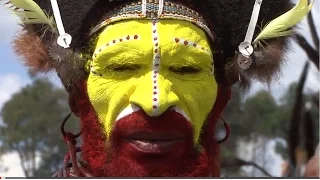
(123, 67)
(185, 70)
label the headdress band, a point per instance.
(154, 9)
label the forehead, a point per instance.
(141, 37)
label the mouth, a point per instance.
(154, 143)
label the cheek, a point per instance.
(108, 97)
(197, 99)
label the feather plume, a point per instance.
(29, 12)
(281, 26)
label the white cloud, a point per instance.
(12, 162)
(262, 152)
(12, 165)
(9, 84)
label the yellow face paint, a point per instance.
(155, 65)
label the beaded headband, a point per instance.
(154, 9)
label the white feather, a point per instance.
(29, 12)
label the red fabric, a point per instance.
(119, 159)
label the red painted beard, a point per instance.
(120, 157)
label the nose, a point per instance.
(154, 96)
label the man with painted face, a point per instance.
(149, 78)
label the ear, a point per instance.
(78, 98)
(208, 139)
(223, 97)
(74, 106)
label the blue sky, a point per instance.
(8, 29)
(13, 75)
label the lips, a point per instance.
(138, 134)
(148, 142)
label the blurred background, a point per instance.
(274, 130)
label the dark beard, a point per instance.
(105, 160)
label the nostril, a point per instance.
(171, 108)
(180, 111)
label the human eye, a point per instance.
(123, 67)
(182, 70)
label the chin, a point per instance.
(142, 146)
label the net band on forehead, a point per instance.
(154, 9)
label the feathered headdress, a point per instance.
(57, 34)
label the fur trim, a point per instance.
(33, 53)
(266, 65)
(72, 70)
(39, 58)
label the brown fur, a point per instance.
(265, 67)
(72, 70)
(33, 53)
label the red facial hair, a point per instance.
(118, 159)
(181, 160)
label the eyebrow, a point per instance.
(185, 42)
(114, 42)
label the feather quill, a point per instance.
(281, 26)
(29, 12)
